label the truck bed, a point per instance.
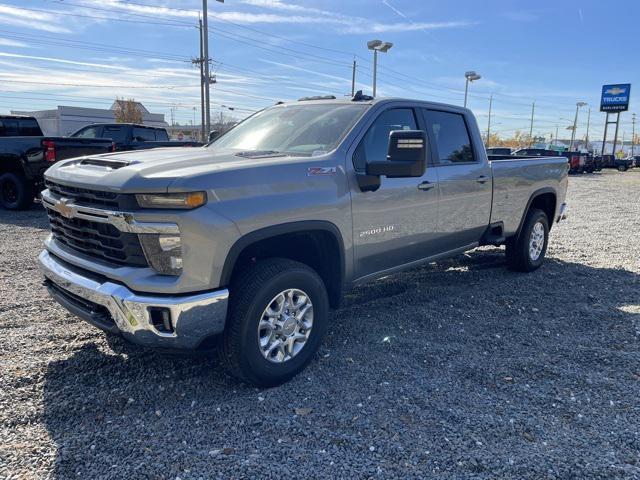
(516, 179)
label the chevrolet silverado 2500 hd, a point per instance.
(245, 244)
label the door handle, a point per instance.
(482, 179)
(426, 186)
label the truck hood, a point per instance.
(157, 169)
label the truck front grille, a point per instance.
(85, 196)
(98, 240)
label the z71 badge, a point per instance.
(320, 171)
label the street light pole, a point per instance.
(575, 125)
(533, 109)
(470, 76)
(586, 139)
(377, 46)
(375, 72)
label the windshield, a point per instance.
(293, 129)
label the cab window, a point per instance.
(375, 143)
(451, 136)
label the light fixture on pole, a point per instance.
(377, 46)
(471, 76)
(575, 124)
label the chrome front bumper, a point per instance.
(113, 307)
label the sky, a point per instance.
(554, 53)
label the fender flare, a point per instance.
(533, 196)
(274, 231)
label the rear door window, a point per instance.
(144, 134)
(115, 133)
(452, 137)
(162, 136)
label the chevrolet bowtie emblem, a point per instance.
(64, 208)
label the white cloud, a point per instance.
(5, 42)
(46, 21)
(367, 27)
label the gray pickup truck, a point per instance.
(244, 245)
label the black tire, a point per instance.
(250, 294)
(622, 168)
(16, 192)
(518, 254)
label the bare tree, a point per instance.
(127, 111)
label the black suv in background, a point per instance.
(130, 136)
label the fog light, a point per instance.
(160, 318)
(163, 252)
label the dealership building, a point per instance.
(65, 120)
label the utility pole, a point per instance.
(205, 57)
(353, 79)
(556, 133)
(489, 122)
(533, 109)
(633, 133)
(202, 96)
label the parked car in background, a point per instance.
(498, 151)
(247, 243)
(130, 136)
(637, 160)
(611, 161)
(25, 153)
(577, 161)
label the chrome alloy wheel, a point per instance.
(536, 241)
(285, 325)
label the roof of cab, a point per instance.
(323, 100)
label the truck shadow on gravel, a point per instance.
(34, 217)
(461, 368)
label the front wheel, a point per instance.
(278, 318)
(526, 252)
(16, 192)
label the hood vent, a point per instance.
(110, 164)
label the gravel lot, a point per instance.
(460, 369)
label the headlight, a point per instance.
(163, 252)
(172, 200)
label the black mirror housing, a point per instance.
(406, 155)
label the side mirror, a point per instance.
(406, 155)
(213, 135)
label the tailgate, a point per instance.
(78, 147)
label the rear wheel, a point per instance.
(277, 320)
(526, 252)
(16, 192)
(622, 168)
